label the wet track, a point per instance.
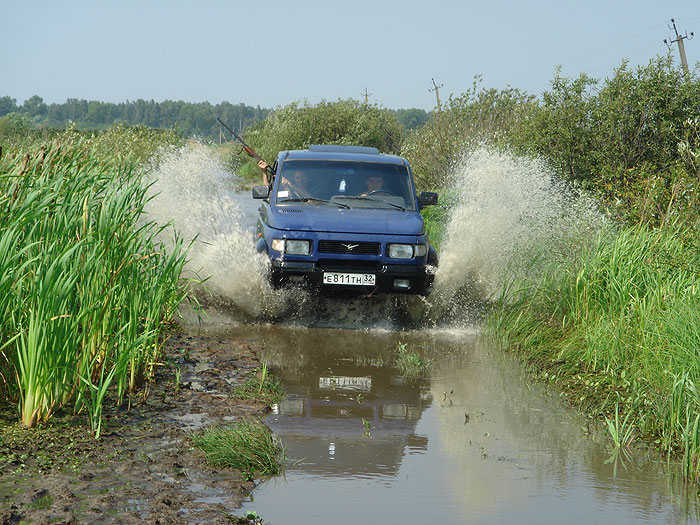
(471, 441)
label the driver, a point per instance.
(373, 183)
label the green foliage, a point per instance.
(412, 118)
(87, 283)
(620, 430)
(347, 122)
(478, 116)
(188, 118)
(248, 447)
(262, 386)
(437, 216)
(619, 328)
(633, 140)
(12, 124)
(409, 362)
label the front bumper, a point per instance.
(390, 278)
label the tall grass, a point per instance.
(86, 283)
(619, 327)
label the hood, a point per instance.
(326, 218)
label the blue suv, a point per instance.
(345, 218)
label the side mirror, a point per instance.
(261, 192)
(427, 198)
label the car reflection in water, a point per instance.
(340, 418)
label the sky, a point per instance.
(271, 53)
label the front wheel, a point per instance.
(432, 257)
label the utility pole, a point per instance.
(681, 47)
(366, 94)
(436, 88)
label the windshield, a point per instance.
(344, 183)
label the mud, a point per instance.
(144, 468)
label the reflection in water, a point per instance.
(475, 442)
(344, 414)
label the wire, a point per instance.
(615, 44)
(627, 56)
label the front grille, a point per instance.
(342, 265)
(348, 247)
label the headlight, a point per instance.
(401, 251)
(407, 251)
(292, 246)
(278, 245)
(296, 247)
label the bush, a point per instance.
(632, 140)
(347, 122)
(476, 117)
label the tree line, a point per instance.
(192, 119)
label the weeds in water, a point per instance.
(374, 361)
(619, 457)
(262, 386)
(621, 432)
(409, 362)
(248, 447)
(366, 427)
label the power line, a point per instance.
(436, 89)
(616, 44)
(366, 94)
(681, 46)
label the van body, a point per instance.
(345, 218)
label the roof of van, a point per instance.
(338, 152)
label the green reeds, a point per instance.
(621, 430)
(86, 284)
(248, 447)
(620, 326)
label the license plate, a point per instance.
(358, 279)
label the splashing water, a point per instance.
(506, 207)
(197, 193)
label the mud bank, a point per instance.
(144, 469)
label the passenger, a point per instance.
(263, 166)
(297, 184)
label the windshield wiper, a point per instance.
(312, 199)
(377, 200)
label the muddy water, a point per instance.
(474, 441)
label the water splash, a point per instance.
(505, 208)
(193, 189)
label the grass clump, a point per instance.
(619, 331)
(409, 362)
(248, 447)
(262, 386)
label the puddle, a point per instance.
(191, 422)
(473, 442)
